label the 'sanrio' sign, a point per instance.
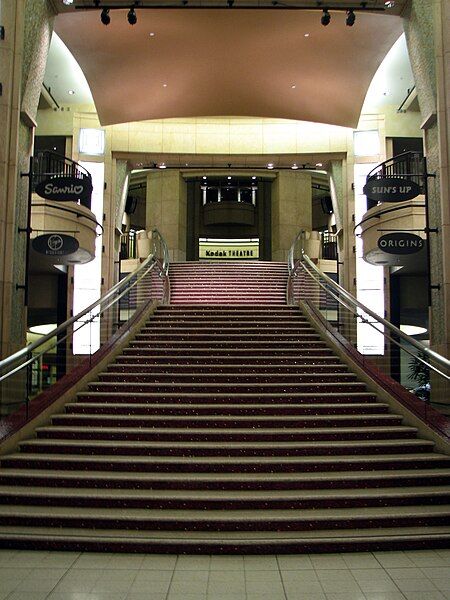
(55, 244)
(400, 242)
(65, 189)
(391, 189)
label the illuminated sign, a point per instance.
(229, 250)
(400, 242)
(391, 189)
(55, 244)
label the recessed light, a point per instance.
(204, 177)
(293, 86)
(67, 2)
(306, 35)
(412, 329)
(229, 177)
(389, 3)
(71, 92)
(164, 84)
(319, 164)
(152, 34)
(253, 177)
(162, 166)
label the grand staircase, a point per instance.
(227, 425)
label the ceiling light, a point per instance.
(71, 92)
(326, 17)
(204, 177)
(350, 20)
(294, 166)
(306, 35)
(104, 16)
(412, 329)
(293, 86)
(152, 34)
(164, 84)
(270, 165)
(389, 3)
(253, 177)
(131, 16)
(162, 166)
(67, 2)
(43, 329)
(319, 164)
(229, 177)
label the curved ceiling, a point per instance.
(210, 62)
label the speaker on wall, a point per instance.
(327, 205)
(130, 204)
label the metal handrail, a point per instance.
(143, 269)
(404, 157)
(293, 269)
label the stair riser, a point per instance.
(189, 525)
(137, 484)
(254, 370)
(224, 411)
(287, 546)
(224, 504)
(331, 450)
(222, 436)
(212, 388)
(254, 379)
(224, 398)
(195, 336)
(372, 463)
(228, 361)
(220, 423)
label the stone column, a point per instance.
(427, 28)
(166, 209)
(291, 210)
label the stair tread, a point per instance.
(226, 477)
(248, 515)
(223, 395)
(228, 445)
(230, 418)
(245, 460)
(180, 405)
(224, 495)
(240, 430)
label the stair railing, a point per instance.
(34, 368)
(372, 339)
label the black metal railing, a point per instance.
(409, 165)
(49, 164)
(329, 245)
(128, 245)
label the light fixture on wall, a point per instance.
(350, 20)
(326, 17)
(104, 17)
(131, 16)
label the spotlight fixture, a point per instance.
(350, 20)
(326, 17)
(270, 165)
(162, 166)
(104, 17)
(67, 2)
(294, 166)
(131, 16)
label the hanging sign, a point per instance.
(55, 244)
(65, 189)
(400, 242)
(391, 189)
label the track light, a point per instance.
(326, 17)
(104, 17)
(131, 16)
(351, 17)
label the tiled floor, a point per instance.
(415, 575)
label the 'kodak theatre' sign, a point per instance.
(55, 244)
(400, 242)
(391, 189)
(65, 189)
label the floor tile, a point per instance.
(33, 595)
(405, 573)
(442, 584)
(427, 558)
(385, 596)
(60, 559)
(87, 596)
(416, 585)
(260, 563)
(270, 595)
(424, 595)
(189, 582)
(164, 562)
(360, 560)
(193, 563)
(302, 595)
(226, 563)
(93, 560)
(393, 559)
(152, 576)
(146, 596)
(436, 572)
(327, 561)
(345, 596)
(126, 561)
(294, 562)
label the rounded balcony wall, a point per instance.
(69, 219)
(228, 212)
(384, 219)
